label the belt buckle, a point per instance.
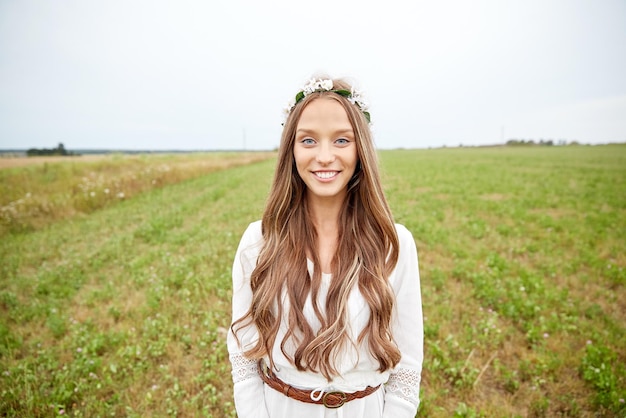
(342, 399)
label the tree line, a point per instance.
(59, 150)
(547, 142)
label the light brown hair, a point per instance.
(367, 254)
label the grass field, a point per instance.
(122, 309)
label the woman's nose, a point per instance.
(325, 154)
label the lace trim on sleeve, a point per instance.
(243, 368)
(405, 384)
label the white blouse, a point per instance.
(398, 395)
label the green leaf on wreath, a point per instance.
(344, 93)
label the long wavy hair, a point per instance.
(367, 253)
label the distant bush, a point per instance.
(59, 150)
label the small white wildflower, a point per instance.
(120, 195)
(92, 194)
(522, 289)
(106, 191)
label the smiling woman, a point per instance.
(327, 315)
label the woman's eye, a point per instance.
(308, 141)
(342, 141)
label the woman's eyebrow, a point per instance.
(313, 131)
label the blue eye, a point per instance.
(308, 141)
(342, 141)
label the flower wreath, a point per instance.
(313, 85)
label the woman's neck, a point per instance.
(325, 213)
(325, 218)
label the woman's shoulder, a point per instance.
(403, 233)
(405, 239)
(251, 243)
(253, 232)
(255, 226)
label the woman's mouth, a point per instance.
(325, 175)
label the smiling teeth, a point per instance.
(325, 174)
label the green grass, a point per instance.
(123, 312)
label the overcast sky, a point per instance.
(216, 74)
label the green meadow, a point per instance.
(120, 307)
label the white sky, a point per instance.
(216, 74)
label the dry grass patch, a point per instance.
(36, 195)
(494, 197)
(11, 162)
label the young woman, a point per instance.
(327, 312)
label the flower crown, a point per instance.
(313, 85)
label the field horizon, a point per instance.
(120, 306)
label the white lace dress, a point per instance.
(398, 396)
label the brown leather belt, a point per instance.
(332, 399)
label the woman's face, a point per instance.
(324, 150)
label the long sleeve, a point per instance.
(247, 384)
(402, 388)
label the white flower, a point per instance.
(326, 84)
(315, 85)
(310, 87)
(288, 108)
(357, 99)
